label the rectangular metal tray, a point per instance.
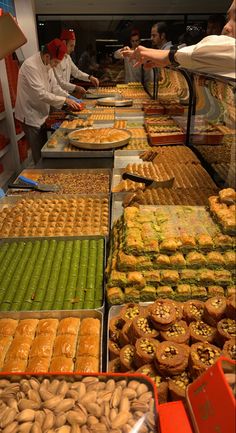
(64, 238)
(113, 312)
(10, 201)
(59, 314)
(35, 173)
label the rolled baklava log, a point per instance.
(125, 334)
(201, 331)
(114, 349)
(202, 356)
(214, 310)
(193, 310)
(171, 358)
(127, 355)
(142, 327)
(161, 383)
(162, 314)
(114, 366)
(115, 326)
(231, 307)
(178, 385)
(130, 311)
(226, 329)
(178, 309)
(145, 349)
(229, 349)
(178, 332)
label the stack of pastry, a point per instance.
(223, 208)
(43, 345)
(77, 123)
(165, 253)
(169, 342)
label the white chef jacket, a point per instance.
(37, 89)
(133, 74)
(64, 70)
(213, 55)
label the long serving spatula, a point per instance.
(33, 185)
(151, 183)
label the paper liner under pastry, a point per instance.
(127, 355)
(178, 332)
(214, 310)
(201, 331)
(178, 385)
(141, 326)
(193, 310)
(145, 349)
(226, 329)
(231, 307)
(229, 349)
(171, 358)
(202, 356)
(162, 314)
(114, 350)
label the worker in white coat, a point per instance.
(66, 68)
(37, 90)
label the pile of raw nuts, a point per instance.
(86, 405)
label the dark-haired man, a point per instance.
(160, 36)
(37, 90)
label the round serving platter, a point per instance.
(72, 136)
(98, 95)
(114, 102)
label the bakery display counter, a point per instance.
(171, 342)
(68, 181)
(52, 274)
(178, 252)
(53, 215)
(44, 342)
(73, 401)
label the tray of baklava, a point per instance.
(58, 341)
(54, 215)
(69, 181)
(65, 273)
(169, 341)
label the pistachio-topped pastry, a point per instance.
(178, 385)
(130, 311)
(200, 331)
(231, 307)
(114, 349)
(214, 310)
(193, 310)
(127, 354)
(202, 356)
(145, 349)
(171, 358)
(226, 330)
(160, 382)
(177, 332)
(162, 314)
(142, 327)
(229, 349)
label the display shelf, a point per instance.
(5, 177)
(20, 135)
(4, 151)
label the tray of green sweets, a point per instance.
(52, 274)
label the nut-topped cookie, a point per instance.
(145, 349)
(162, 314)
(177, 332)
(201, 331)
(202, 356)
(171, 358)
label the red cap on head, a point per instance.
(67, 35)
(56, 49)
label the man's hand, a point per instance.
(72, 104)
(79, 91)
(94, 81)
(150, 57)
(126, 51)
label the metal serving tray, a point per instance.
(35, 173)
(10, 201)
(101, 146)
(114, 102)
(60, 152)
(62, 238)
(58, 314)
(113, 312)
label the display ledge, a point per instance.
(4, 150)
(5, 177)
(20, 135)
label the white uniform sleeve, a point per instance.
(41, 93)
(213, 54)
(77, 73)
(61, 79)
(117, 54)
